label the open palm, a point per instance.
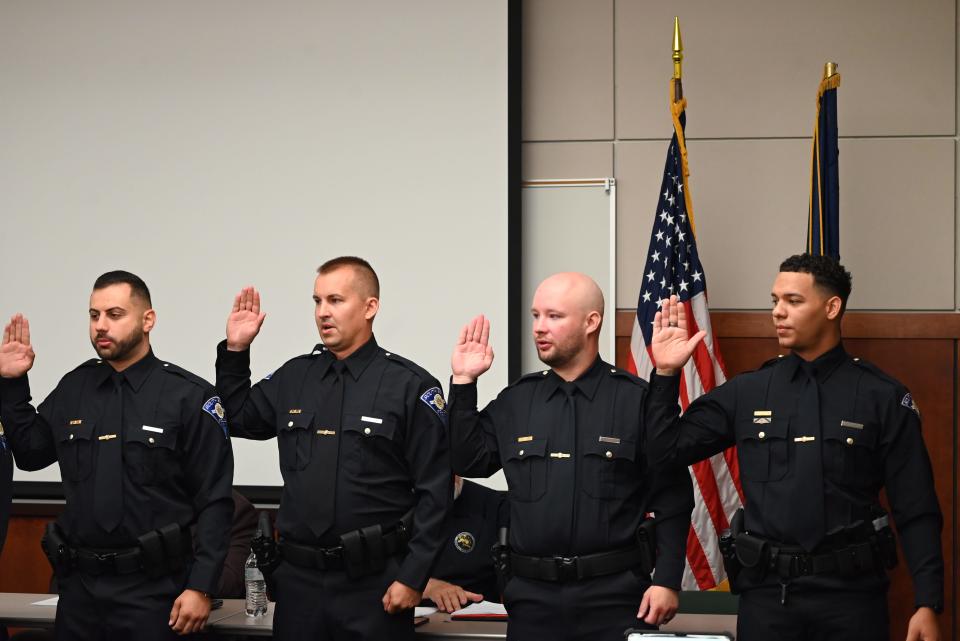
(245, 320)
(672, 345)
(16, 354)
(472, 355)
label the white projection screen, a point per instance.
(210, 145)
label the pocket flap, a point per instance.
(845, 433)
(624, 450)
(751, 430)
(520, 451)
(370, 425)
(76, 429)
(298, 421)
(152, 436)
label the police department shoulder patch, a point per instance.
(3, 440)
(910, 404)
(215, 409)
(464, 542)
(433, 397)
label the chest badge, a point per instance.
(465, 542)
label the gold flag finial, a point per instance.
(677, 50)
(829, 69)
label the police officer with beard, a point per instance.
(363, 453)
(144, 453)
(570, 442)
(818, 434)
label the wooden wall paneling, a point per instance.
(23, 567)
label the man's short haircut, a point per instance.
(138, 288)
(365, 274)
(828, 274)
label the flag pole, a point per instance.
(677, 60)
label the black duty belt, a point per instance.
(572, 568)
(393, 542)
(113, 561)
(851, 560)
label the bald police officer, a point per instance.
(570, 442)
(144, 453)
(818, 435)
(364, 458)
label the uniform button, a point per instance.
(609, 454)
(166, 364)
(388, 353)
(151, 440)
(762, 435)
(613, 370)
(520, 452)
(71, 437)
(856, 360)
(366, 430)
(545, 372)
(849, 441)
(290, 424)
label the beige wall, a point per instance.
(595, 104)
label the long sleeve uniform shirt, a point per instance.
(6, 484)
(869, 438)
(177, 460)
(574, 489)
(390, 450)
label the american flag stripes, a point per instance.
(673, 268)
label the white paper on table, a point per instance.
(50, 601)
(482, 608)
(423, 611)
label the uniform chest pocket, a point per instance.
(150, 453)
(75, 449)
(295, 440)
(610, 470)
(525, 466)
(849, 452)
(373, 440)
(762, 448)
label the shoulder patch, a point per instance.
(3, 440)
(213, 407)
(433, 398)
(910, 404)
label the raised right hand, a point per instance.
(245, 320)
(472, 355)
(16, 355)
(672, 344)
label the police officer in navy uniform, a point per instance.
(6, 485)
(464, 571)
(818, 434)
(144, 453)
(570, 442)
(364, 457)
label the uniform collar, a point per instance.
(823, 366)
(356, 363)
(586, 383)
(136, 375)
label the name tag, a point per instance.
(371, 419)
(610, 439)
(149, 428)
(524, 439)
(851, 425)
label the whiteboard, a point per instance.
(206, 146)
(569, 225)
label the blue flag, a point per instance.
(823, 225)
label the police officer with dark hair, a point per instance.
(818, 435)
(364, 458)
(570, 442)
(144, 453)
(464, 572)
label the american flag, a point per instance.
(673, 267)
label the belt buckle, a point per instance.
(803, 564)
(566, 566)
(332, 554)
(106, 560)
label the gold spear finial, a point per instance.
(829, 69)
(677, 50)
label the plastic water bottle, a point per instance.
(256, 587)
